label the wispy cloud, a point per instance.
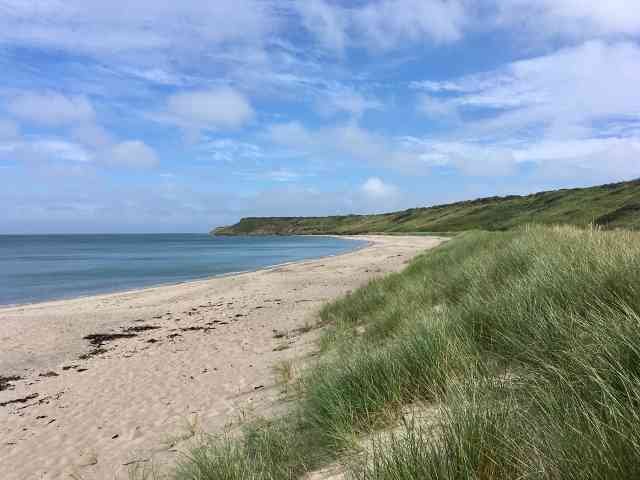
(560, 92)
(51, 108)
(384, 24)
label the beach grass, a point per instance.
(523, 346)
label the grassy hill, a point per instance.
(615, 205)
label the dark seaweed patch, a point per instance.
(141, 328)
(19, 400)
(194, 329)
(92, 353)
(6, 383)
(99, 339)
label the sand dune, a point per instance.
(114, 381)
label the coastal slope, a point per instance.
(615, 205)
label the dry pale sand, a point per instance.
(206, 363)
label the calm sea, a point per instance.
(44, 267)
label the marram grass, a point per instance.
(526, 342)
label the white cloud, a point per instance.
(384, 24)
(327, 22)
(39, 151)
(230, 151)
(375, 188)
(220, 108)
(576, 18)
(155, 75)
(482, 161)
(344, 140)
(347, 142)
(149, 29)
(133, 154)
(468, 158)
(588, 160)
(66, 156)
(389, 23)
(595, 160)
(122, 27)
(92, 135)
(571, 114)
(563, 92)
(51, 108)
(62, 149)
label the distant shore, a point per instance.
(111, 381)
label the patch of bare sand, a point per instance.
(189, 357)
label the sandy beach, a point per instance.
(110, 382)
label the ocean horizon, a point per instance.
(38, 268)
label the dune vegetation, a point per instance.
(498, 355)
(615, 205)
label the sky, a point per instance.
(164, 116)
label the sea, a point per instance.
(36, 268)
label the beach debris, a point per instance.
(193, 329)
(137, 460)
(50, 373)
(279, 333)
(6, 383)
(141, 328)
(19, 400)
(258, 387)
(217, 322)
(173, 335)
(69, 367)
(92, 353)
(99, 339)
(44, 400)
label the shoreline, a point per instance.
(106, 380)
(193, 280)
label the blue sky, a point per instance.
(162, 116)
